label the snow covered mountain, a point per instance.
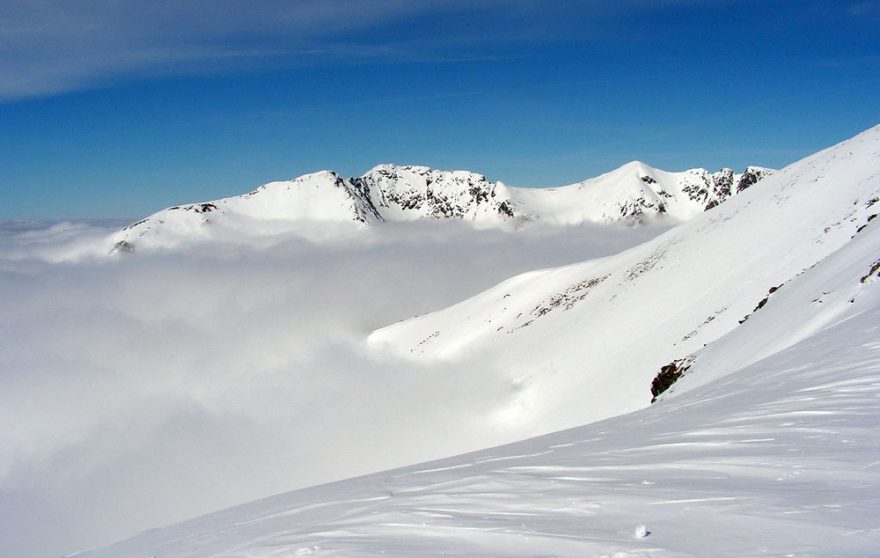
(785, 452)
(769, 307)
(407, 193)
(580, 343)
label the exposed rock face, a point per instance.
(413, 192)
(668, 375)
(122, 247)
(709, 190)
(874, 271)
(761, 303)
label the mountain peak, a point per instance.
(391, 169)
(639, 166)
(394, 167)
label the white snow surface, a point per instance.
(578, 343)
(777, 458)
(324, 204)
(766, 446)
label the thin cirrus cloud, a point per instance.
(54, 46)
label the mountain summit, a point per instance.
(407, 193)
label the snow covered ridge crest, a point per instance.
(408, 193)
(599, 331)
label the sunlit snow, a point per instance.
(234, 355)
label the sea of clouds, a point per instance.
(141, 389)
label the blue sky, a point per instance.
(114, 109)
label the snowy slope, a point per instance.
(765, 446)
(635, 190)
(322, 197)
(779, 457)
(581, 343)
(408, 193)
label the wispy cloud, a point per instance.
(53, 46)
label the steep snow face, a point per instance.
(322, 197)
(783, 449)
(407, 193)
(582, 342)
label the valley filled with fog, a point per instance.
(384, 278)
(141, 389)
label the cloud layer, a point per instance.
(142, 390)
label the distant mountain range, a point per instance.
(632, 192)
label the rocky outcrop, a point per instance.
(414, 192)
(668, 375)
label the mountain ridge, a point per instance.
(687, 287)
(390, 192)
